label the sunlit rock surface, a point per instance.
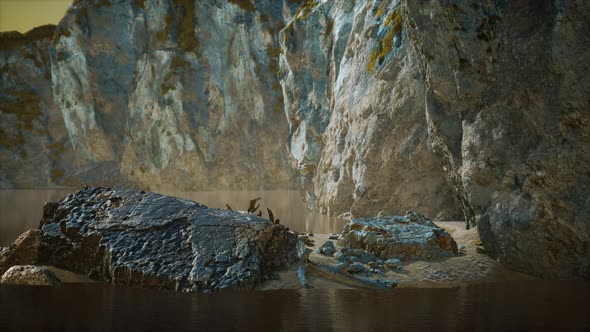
(354, 97)
(406, 237)
(129, 237)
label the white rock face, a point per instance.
(354, 97)
(178, 94)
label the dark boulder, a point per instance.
(134, 238)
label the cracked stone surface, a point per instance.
(134, 238)
(408, 237)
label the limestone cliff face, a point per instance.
(354, 96)
(34, 147)
(178, 93)
(509, 116)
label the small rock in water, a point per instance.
(461, 246)
(334, 236)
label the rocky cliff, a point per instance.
(34, 145)
(509, 116)
(354, 93)
(377, 106)
(179, 94)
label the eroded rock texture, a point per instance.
(34, 147)
(129, 237)
(180, 94)
(406, 237)
(509, 116)
(354, 96)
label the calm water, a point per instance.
(515, 306)
(22, 209)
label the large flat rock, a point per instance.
(134, 238)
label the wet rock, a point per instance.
(128, 237)
(29, 275)
(327, 249)
(334, 236)
(409, 237)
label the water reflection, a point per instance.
(521, 306)
(22, 209)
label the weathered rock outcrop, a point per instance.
(354, 98)
(404, 237)
(29, 275)
(34, 147)
(129, 237)
(509, 116)
(180, 94)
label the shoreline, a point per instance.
(467, 268)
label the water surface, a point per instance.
(508, 306)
